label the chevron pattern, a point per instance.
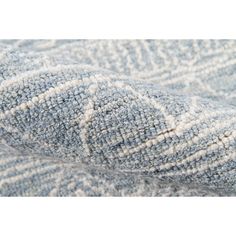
(117, 117)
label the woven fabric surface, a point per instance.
(117, 118)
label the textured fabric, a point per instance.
(117, 118)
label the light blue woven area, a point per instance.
(117, 118)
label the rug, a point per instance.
(117, 118)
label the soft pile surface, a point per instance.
(117, 118)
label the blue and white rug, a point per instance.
(117, 118)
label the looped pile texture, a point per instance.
(117, 117)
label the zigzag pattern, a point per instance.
(120, 118)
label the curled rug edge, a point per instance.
(81, 114)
